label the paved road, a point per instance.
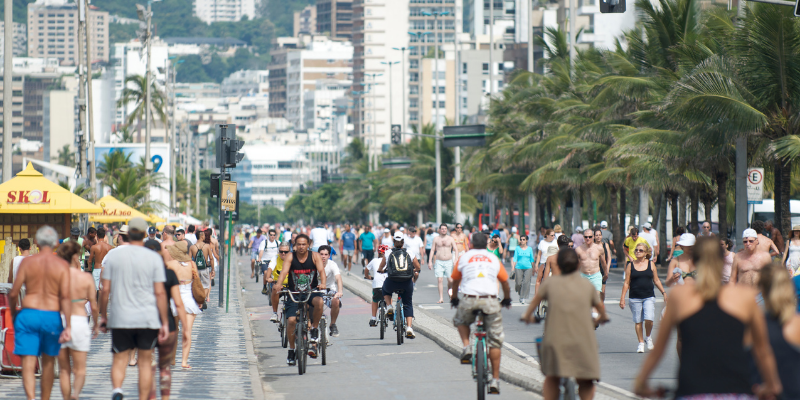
(360, 366)
(619, 361)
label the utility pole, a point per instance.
(532, 206)
(457, 150)
(531, 67)
(391, 108)
(81, 95)
(171, 134)
(148, 99)
(8, 88)
(435, 97)
(90, 155)
(196, 154)
(403, 80)
(573, 16)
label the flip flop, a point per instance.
(186, 367)
(439, 302)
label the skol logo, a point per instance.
(27, 197)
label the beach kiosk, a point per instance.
(29, 201)
(113, 210)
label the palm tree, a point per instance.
(113, 162)
(124, 135)
(135, 92)
(65, 156)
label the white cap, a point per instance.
(579, 229)
(485, 227)
(386, 230)
(402, 229)
(749, 233)
(687, 239)
(513, 229)
(398, 235)
(647, 226)
(604, 224)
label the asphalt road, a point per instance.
(360, 366)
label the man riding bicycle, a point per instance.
(476, 273)
(399, 279)
(268, 250)
(255, 244)
(272, 274)
(304, 266)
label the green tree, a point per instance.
(135, 92)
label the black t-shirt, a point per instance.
(308, 268)
(172, 280)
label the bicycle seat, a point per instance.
(476, 312)
(399, 291)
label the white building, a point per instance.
(128, 62)
(277, 171)
(598, 30)
(223, 10)
(321, 59)
(246, 83)
(319, 109)
(20, 41)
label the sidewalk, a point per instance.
(221, 361)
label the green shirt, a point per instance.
(80, 243)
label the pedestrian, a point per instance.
(598, 241)
(166, 349)
(151, 234)
(783, 326)
(461, 239)
(749, 261)
(652, 239)
(202, 254)
(551, 266)
(24, 247)
(97, 254)
(348, 240)
(569, 346)
(522, 263)
(557, 230)
(706, 230)
(38, 330)
(676, 250)
(377, 283)
(608, 237)
(138, 316)
(495, 247)
(577, 237)
(641, 277)
(791, 254)
(429, 236)
(89, 240)
(186, 271)
(443, 252)
(503, 239)
(72, 358)
(630, 243)
(682, 267)
(774, 234)
(764, 243)
(712, 319)
(513, 242)
(541, 251)
(333, 278)
(727, 258)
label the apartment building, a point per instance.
(305, 21)
(53, 31)
(210, 11)
(335, 18)
(281, 47)
(277, 172)
(597, 29)
(19, 44)
(128, 62)
(246, 83)
(320, 109)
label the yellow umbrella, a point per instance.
(156, 219)
(31, 193)
(114, 210)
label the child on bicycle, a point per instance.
(377, 282)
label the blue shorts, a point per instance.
(291, 307)
(37, 332)
(253, 254)
(642, 309)
(596, 279)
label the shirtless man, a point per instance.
(442, 251)
(96, 255)
(774, 234)
(88, 241)
(167, 239)
(37, 327)
(748, 262)
(592, 260)
(462, 243)
(765, 244)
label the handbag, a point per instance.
(198, 292)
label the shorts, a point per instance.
(328, 300)
(81, 334)
(205, 277)
(264, 266)
(315, 249)
(96, 276)
(36, 332)
(368, 254)
(129, 339)
(596, 279)
(291, 307)
(511, 253)
(390, 286)
(642, 309)
(377, 295)
(492, 317)
(348, 253)
(442, 268)
(253, 255)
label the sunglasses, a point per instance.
(748, 241)
(283, 252)
(523, 239)
(588, 237)
(638, 251)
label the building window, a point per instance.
(441, 105)
(413, 116)
(485, 68)
(412, 103)
(441, 89)
(464, 102)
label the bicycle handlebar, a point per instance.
(290, 294)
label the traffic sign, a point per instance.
(214, 184)
(755, 185)
(228, 196)
(464, 136)
(396, 163)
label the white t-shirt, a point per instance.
(331, 271)
(191, 237)
(543, 246)
(391, 249)
(652, 240)
(378, 278)
(412, 246)
(387, 241)
(270, 249)
(17, 261)
(479, 271)
(319, 237)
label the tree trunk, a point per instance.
(783, 221)
(673, 205)
(622, 212)
(615, 226)
(722, 200)
(542, 210)
(634, 209)
(682, 211)
(695, 204)
(139, 130)
(590, 213)
(708, 203)
(562, 211)
(549, 205)
(657, 205)
(577, 215)
(662, 229)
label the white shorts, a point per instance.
(348, 252)
(443, 268)
(96, 276)
(81, 334)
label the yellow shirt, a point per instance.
(632, 245)
(276, 272)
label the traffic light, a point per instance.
(396, 134)
(228, 146)
(234, 157)
(612, 6)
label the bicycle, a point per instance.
(301, 329)
(382, 317)
(282, 322)
(480, 360)
(399, 318)
(324, 342)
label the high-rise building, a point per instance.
(210, 11)
(335, 18)
(246, 83)
(281, 47)
(597, 29)
(20, 41)
(53, 31)
(305, 21)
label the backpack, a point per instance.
(200, 260)
(399, 266)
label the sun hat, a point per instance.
(687, 239)
(123, 230)
(551, 251)
(179, 251)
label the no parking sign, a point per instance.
(755, 185)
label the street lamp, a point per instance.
(373, 147)
(403, 71)
(391, 109)
(420, 36)
(145, 15)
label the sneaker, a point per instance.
(274, 317)
(291, 359)
(466, 355)
(264, 290)
(116, 396)
(640, 349)
(334, 330)
(390, 314)
(410, 333)
(314, 337)
(312, 351)
(373, 322)
(494, 386)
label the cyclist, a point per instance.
(334, 280)
(267, 251)
(477, 273)
(377, 283)
(302, 265)
(398, 278)
(255, 244)
(274, 269)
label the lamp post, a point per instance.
(7, 89)
(145, 15)
(419, 37)
(173, 165)
(403, 71)
(391, 109)
(373, 147)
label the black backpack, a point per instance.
(399, 266)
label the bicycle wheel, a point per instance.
(382, 318)
(570, 389)
(269, 293)
(282, 329)
(299, 345)
(399, 323)
(323, 340)
(480, 369)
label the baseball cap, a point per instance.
(647, 225)
(687, 239)
(604, 224)
(398, 235)
(386, 230)
(402, 229)
(180, 228)
(579, 229)
(749, 233)
(74, 231)
(137, 224)
(123, 230)
(151, 230)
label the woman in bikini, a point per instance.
(680, 270)
(186, 270)
(82, 291)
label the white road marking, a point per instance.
(399, 353)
